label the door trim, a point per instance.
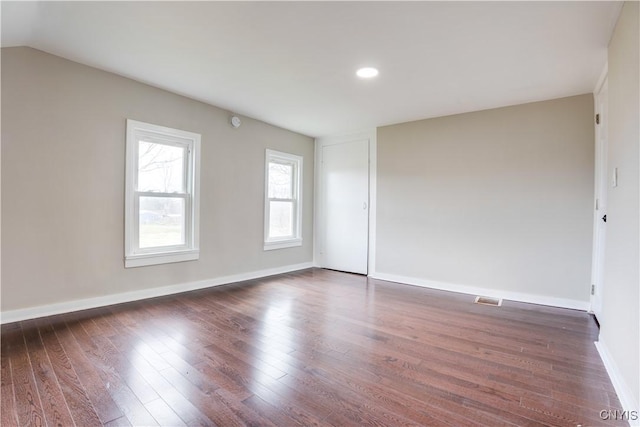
(600, 194)
(370, 135)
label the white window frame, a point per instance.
(134, 255)
(271, 243)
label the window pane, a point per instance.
(160, 168)
(162, 222)
(280, 219)
(280, 181)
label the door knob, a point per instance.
(604, 218)
(364, 205)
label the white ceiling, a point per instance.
(292, 64)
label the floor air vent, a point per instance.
(496, 302)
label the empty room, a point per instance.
(320, 213)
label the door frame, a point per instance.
(318, 220)
(600, 196)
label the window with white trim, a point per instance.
(162, 189)
(283, 193)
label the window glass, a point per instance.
(280, 180)
(162, 222)
(160, 168)
(280, 219)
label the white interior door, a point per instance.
(344, 207)
(602, 177)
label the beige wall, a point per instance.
(63, 156)
(499, 199)
(620, 330)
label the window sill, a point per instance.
(162, 258)
(268, 246)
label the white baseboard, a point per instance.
(487, 292)
(619, 384)
(84, 304)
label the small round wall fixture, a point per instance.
(367, 72)
(236, 122)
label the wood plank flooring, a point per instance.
(315, 347)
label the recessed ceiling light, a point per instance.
(367, 72)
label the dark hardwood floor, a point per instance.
(314, 347)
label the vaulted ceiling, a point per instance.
(292, 64)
